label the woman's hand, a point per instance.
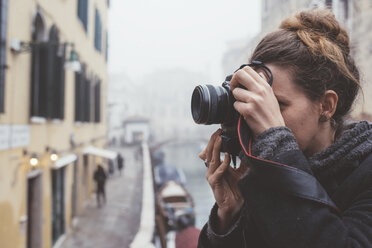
(257, 103)
(223, 180)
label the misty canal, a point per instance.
(185, 157)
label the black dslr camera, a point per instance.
(214, 105)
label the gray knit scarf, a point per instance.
(354, 144)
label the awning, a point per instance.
(64, 160)
(100, 152)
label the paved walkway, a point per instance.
(115, 224)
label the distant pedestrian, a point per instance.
(110, 167)
(120, 161)
(100, 178)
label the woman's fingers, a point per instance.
(215, 172)
(241, 77)
(206, 154)
(215, 161)
(245, 109)
(250, 79)
(263, 76)
(259, 76)
(243, 95)
(225, 164)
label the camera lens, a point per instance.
(210, 104)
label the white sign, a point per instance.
(20, 136)
(4, 137)
(13, 136)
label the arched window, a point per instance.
(39, 57)
(57, 75)
(48, 73)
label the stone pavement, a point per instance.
(115, 224)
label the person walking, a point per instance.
(120, 163)
(100, 178)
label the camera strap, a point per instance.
(259, 64)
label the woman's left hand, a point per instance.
(257, 103)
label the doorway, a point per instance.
(58, 203)
(74, 190)
(34, 210)
(85, 176)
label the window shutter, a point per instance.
(52, 87)
(77, 95)
(82, 98)
(59, 81)
(86, 4)
(83, 12)
(88, 102)
(98, 32)
(35, 80)
(42, 86)
(3, 31)
(97, 102)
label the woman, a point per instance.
(307, 180)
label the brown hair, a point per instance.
(316, 49)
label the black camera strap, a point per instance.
(258, 64)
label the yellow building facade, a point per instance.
(52, 121)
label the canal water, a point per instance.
(185, 157)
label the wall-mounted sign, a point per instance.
(14, 136)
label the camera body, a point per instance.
(215, 105)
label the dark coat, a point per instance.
(120, 160)
(100, 177)
(291, 209)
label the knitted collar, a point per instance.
(354, 144)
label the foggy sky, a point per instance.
(148, 35)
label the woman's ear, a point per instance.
(329, 104)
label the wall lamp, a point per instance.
(53, 154)
(34, 161)
(72, 62)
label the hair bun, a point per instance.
(317, 24)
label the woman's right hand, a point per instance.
(223, 180)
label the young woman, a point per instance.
(306, 180)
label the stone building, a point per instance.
(53, 79)
(355, 16)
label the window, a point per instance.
(87, 98)
(97, 102)
(98, 32)
(83, 13)
(346, 8)
(82, 96)
(106, 54)
(3, 32)
(47, 75)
